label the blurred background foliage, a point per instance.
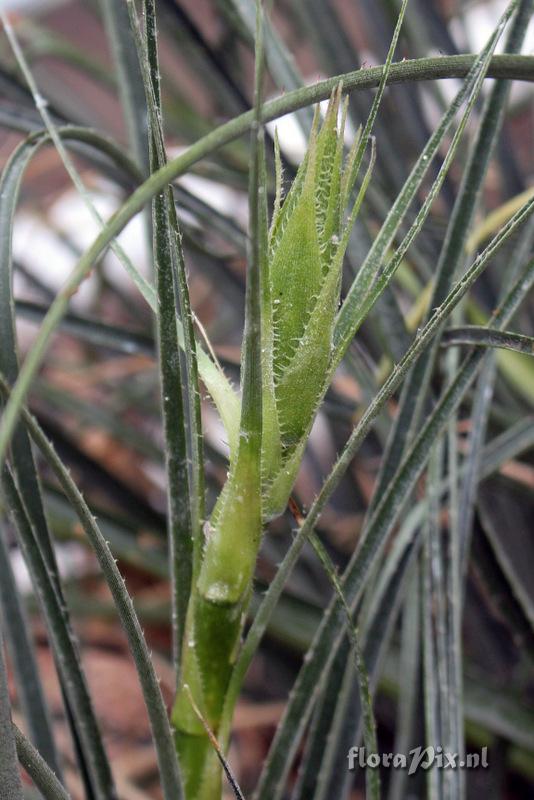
(97, 395)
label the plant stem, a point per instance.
(221, 594)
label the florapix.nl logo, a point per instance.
(423, 758)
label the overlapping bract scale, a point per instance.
(300, 297)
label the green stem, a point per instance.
(37, 768)
(221, 593)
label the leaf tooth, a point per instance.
(348, 179)
(279, 175)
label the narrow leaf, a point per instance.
(38, 770)
(156, 709)
(9, 768)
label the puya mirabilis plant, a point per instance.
(299, 290)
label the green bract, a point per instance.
(300, 288)
(300, 297)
